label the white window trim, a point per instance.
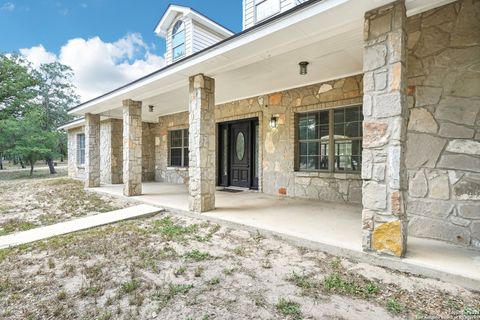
(257, 2)
(184, 165)
(79, 150)
(184, 40)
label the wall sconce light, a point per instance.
(150, 108)
(273, 122)
(303, 67)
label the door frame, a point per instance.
(254, 141)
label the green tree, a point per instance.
(17, 86)
(33, 104)
(56, 94)
(33, 143)
(9, 133)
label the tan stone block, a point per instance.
(275, 99)
(388, 238)
(375, 134)
(396, 77)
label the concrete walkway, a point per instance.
(331, 227)
(76, 225)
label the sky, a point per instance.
(107, 43)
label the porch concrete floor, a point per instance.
(334, 225)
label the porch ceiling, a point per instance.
(328, 34)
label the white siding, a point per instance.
(249, 10)
(203, 37)
(248, 14)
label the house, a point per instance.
(370, 102)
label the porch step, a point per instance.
(79, 224)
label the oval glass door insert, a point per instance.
(240, 146)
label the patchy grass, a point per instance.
(239, 251)
(163, 267)
(172, 231)
(289, 309)
(130, 286)
(27, 204)
(180, 271)
(342, 284)
(166, 294)
(214, 281)
(197, 255)
(198, 271)
(305, 282)
(41, 173)
(394, 306)
(15, 225)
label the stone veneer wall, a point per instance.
(443, 142)
(74, 171)
(277, 155)
(163, 172)
(148, 151)
(111, 151)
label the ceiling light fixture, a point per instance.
(303, 67)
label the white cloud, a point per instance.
(101, 66)
(7, 6)
(38, 55)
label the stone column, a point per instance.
(385, 110)
(92, 150)
(202, 143)
(132, 147)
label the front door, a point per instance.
(237, 152)
(240, 153)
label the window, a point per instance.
(81, 149)
(179, 148)
(330, 139)
(266, 8)
(178, 40)
(348, 139)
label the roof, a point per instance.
(174, 10)
(194, 55)
(214, 56)
(73, 124)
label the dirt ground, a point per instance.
(176, 267)
(29, 203)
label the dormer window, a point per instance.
(266, 8)
(178, 40)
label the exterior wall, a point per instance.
(249, 10)
(148, 151)
(276, 152)
(111, 151)
(188, 39)
(75, 171)
(163, 172)
(203, 37)
(443, 143)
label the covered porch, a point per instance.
(329, 226)
(332, 223)
(356, 73)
